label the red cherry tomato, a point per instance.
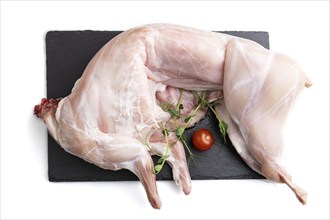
(202, 139)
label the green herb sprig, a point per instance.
(179, 131)
(162, 159)
(222, 125)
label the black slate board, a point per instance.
(68, 53)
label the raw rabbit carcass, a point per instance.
(113, 116)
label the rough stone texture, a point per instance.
(68, 53)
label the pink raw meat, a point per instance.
(113, 116)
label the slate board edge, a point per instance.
(56, 179)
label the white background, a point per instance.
(299, 29)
